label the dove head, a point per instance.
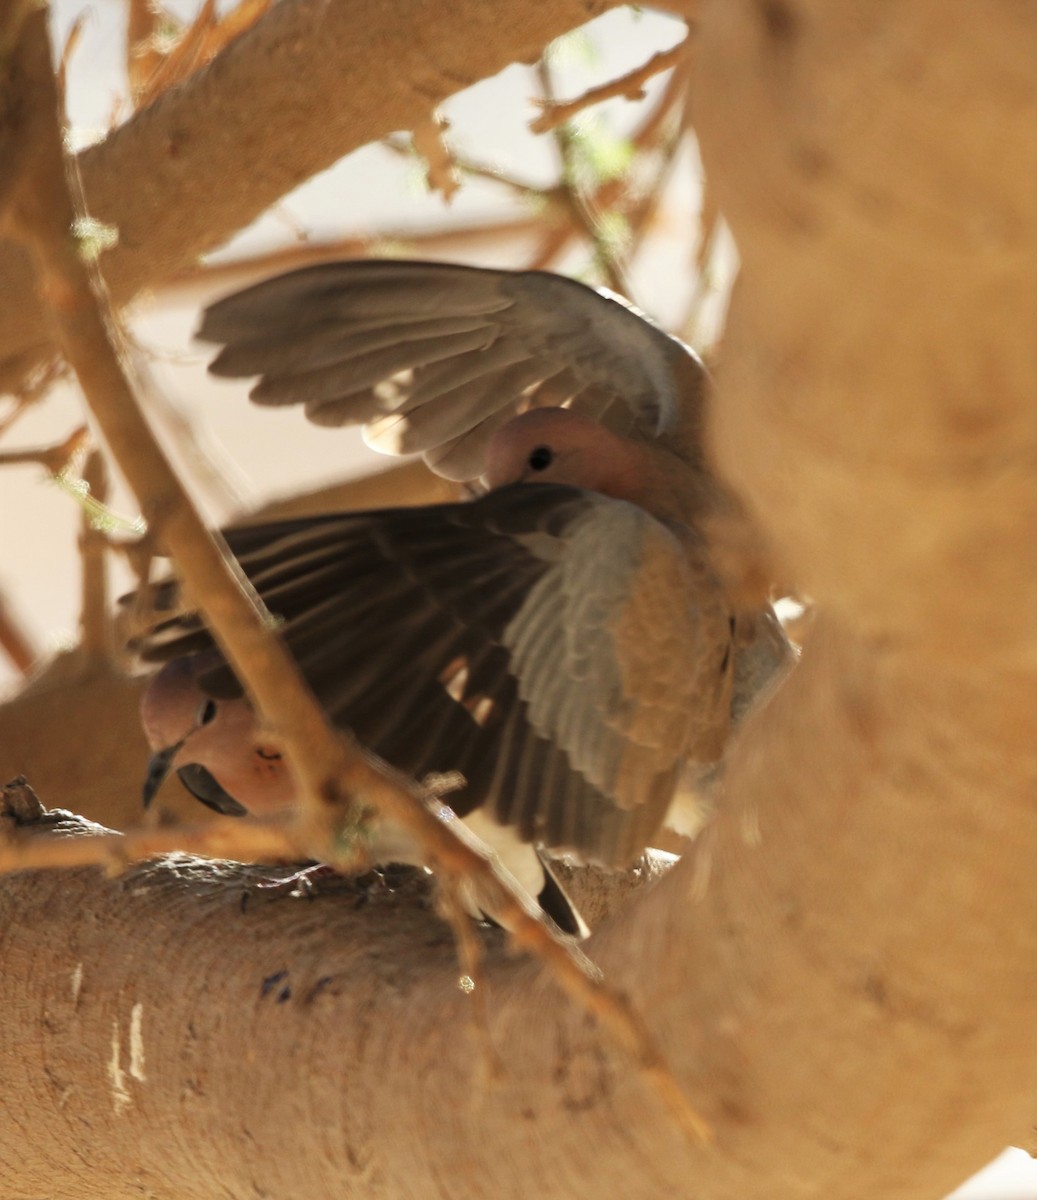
(213, 745)
(557, 445)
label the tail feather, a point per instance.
(555, 901)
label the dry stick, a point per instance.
(54, 458)
(38, 382)
(554, 241)
(328, 772)
(630, 86)
(143, 56)
(675, 92)
(644, 210)
(558, 199)
(429, 138)
(260, 839)
(95, 620)
(328, 767)
(650, 134)
(44, 216)
(198, 45)
(579, 205)
(69, 49)
(657, 132)
(183, 58)
(234, 272)
(15, 643)
(407, 148)
(611, 193)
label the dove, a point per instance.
(559, 653)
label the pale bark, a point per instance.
(878, 164)
(311, 82)
(843, 971)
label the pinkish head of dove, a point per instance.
(565, 651)
(557, 445)
(212, 744)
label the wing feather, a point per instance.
(515, 639)
(450, 347)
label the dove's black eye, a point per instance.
(206, 712)
(540, 458)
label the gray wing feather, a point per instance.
(450, 346)
(629, 683)
(568, 724)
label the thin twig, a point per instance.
(54, 458)
(38, 381)
(675, 93)
(72, 40)
(236, 272)
(471, 981)
(197, 45)
(643, 211)
(429, 138)
(630, 86)
(269, 839)
(581, 207)
(407, 148)
(95, 621)
(614, 194)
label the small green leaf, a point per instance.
(99, 515)
(94, 237)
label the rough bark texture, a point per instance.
(843, 970)
(311, 82)
(879, 169)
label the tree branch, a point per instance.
(212, 154)
(630, 85)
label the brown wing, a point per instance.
(433, 357)
(489, 639)
(622, 653)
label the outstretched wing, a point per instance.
(553, 647)
(433, 357)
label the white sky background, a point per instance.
(371, 193)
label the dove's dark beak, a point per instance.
(159, 766)
(203, 786)
(198, 781)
